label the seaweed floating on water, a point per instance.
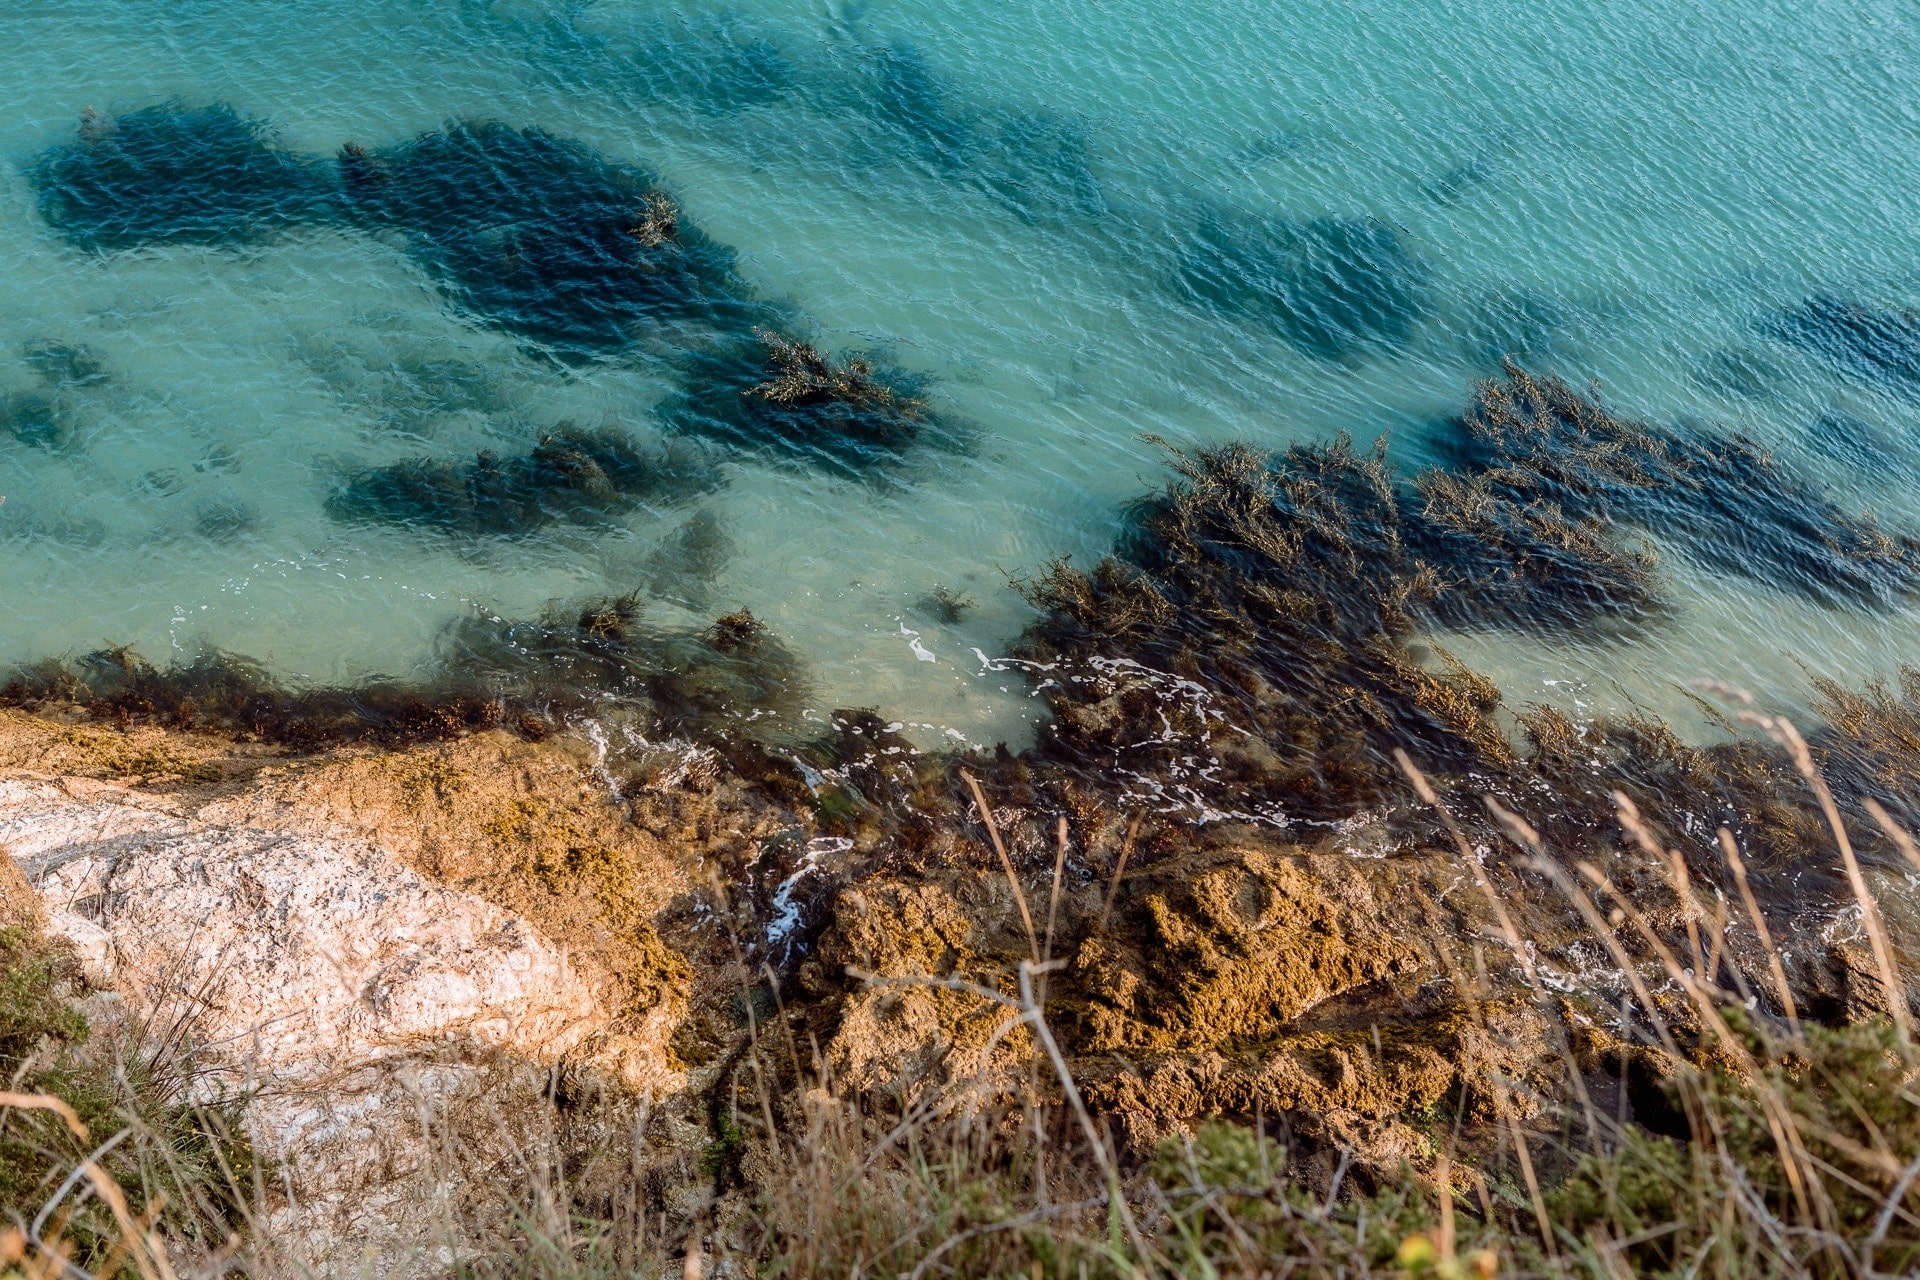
(784, 395)
(1333, 286)
(1524, 564)
(1724, 501)
(177, 174)
(571, 474)
(547, 238)
(1882, 346)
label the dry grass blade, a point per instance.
(1781, 730)
(1119, 869)
(1779, 971)
(1053, 898)
(1006, 863)
(1895, 832)
(47, 1102)
(1521, 957)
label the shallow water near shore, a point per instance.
(1004, 205)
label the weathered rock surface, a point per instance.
(349, 998)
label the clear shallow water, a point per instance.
(995, 200)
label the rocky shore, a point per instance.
(586, 945)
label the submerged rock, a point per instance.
(1881, 346)
(41, 418)
(546, 237)
(172, 173)
(64, 364)
(1334, 287)
(735, 676)
(571, 474)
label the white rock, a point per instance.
(338, 988)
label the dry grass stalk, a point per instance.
(1006, 863)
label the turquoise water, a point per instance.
(995, 198)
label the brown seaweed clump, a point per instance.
(1723, 501)
(787, 397)
(803, 376)
(229, 694)
(735, 679)
(1265, 608)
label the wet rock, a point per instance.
(173, 173)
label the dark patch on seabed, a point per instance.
(570, 474)
(548, 238)
(1855, 338)
(1333, 287)
(177, 174)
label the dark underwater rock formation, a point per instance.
(1854, 338)
(571, 474)
(174, 174)
(1333, 287)
(546, 237)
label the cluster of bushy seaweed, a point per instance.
(570, 474)
(786, 397)
(529, 676)
(1264, 611)
(1722, 500)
